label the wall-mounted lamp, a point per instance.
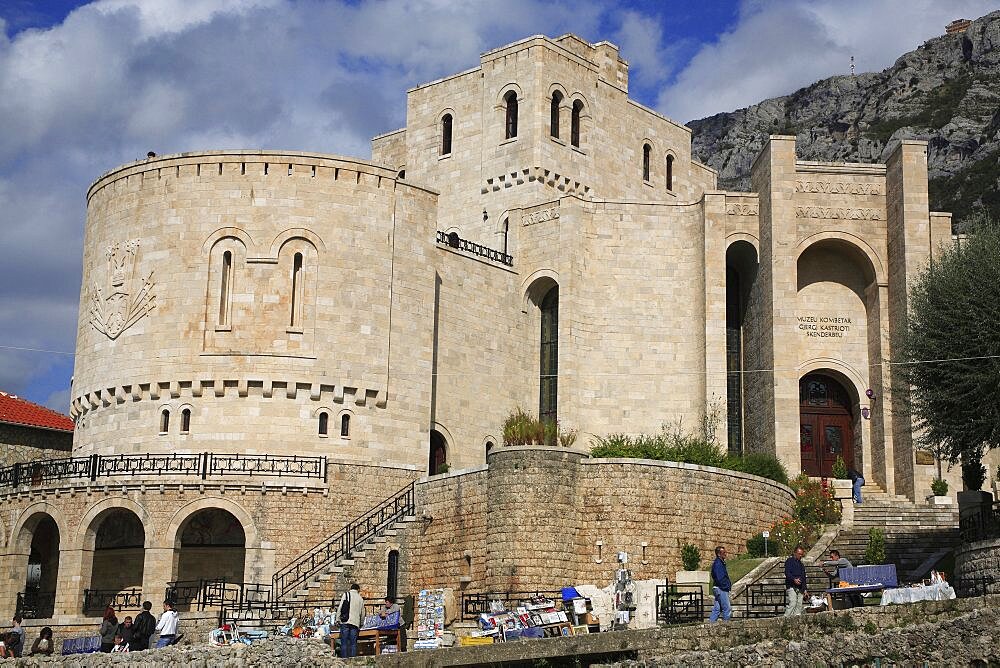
(600, 545)
(870, 393)
(644, 545)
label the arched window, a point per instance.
(296, 317)
(324, 423)
(164, 421)
(345, 425)
(446, 134)
(554, 114)
(548, 374)
(226, 281)
(510, 126)
(670, 172)
(646, 150)
(185, 420)
(489, 447)
(438, 457)
(392, 576)
(574, 126)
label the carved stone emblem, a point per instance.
(127, 298)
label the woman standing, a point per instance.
(108, 629)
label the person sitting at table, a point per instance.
(390, 607)
(832, 568)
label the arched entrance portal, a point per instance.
(39, 596)
(826, 424)
(438, 460)
(118, 560)
(210, 546)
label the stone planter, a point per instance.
(703, 578)
(939, 500)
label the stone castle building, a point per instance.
(532, 237)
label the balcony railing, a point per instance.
(201, 466)
(34, 604)
(97, 600)
(452, 240)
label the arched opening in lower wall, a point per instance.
(826, 424)
(438, 457)
(210, 546)
(117, 565)
(37, 599)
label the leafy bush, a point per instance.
(789, 532)
(522, 428)
(973, 473)
(839, 470)
(875, 552)
(690, 557)
(814, 504)
(939, 487)
(758, 463)
(755, 546)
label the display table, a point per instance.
(935, 592)
(370, 641)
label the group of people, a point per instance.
(12, 642)
(134, 636)
(351, 615)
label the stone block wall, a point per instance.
(20, 445)
(980, 560)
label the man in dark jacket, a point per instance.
(721, 585)
(795, 582)
(143, 628)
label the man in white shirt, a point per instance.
(355, 616)
(167, 626)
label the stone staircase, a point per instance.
(916, 535)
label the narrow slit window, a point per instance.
(511, 115)
(345, 425)
(225, 287)
(446, 123)
(164, 421)
(646, 150)
(574, 125)
(296, 318)
(670, 172)
(185, 420)
(324, 423)
(554, 114)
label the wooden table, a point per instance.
(372, 638)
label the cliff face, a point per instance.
(946, 91)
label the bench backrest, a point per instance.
(884, 575)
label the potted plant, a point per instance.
(691, 559)
(841, 483)
(939, 493)
(973, 476)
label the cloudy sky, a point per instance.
(87, 86)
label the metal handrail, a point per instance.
(680, 604)
(203, 466)
(982, 524)
(452, 240)
(344, 542)
(99, 599)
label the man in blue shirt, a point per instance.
(721, 586)
(795, 582)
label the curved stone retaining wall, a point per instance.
(980, 561)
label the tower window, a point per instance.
(646, 150)
(345, 426)
(185, 420)
(670, 172)
(296, 316)
(549, 362)
(554, 114)
(446, 122)
(164, 421)
(324, 423)
(511, 117)
(225, 286)
(574, 126)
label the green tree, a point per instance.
(951, 351)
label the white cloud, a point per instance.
(779, 46)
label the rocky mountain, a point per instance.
(946, 91)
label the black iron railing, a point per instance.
(680, 604)
(202, 466)
(452, 240)
(35, 604)
(199, 594)
(982, 524)
(96, 600)
(762, 600)
(477, 603)
(345, 541)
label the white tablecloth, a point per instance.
(934, 592)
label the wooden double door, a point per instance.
(826, 425)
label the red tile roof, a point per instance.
(15, 410)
